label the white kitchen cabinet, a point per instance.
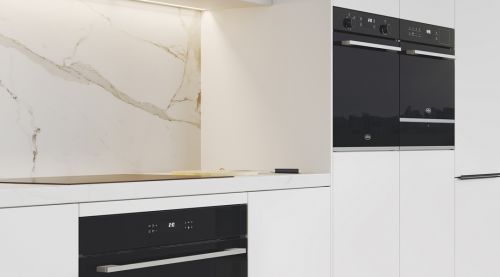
(477, 235)
(212, 4)
(426, 213)
(477, 83)
(366, 214)
(383, 7)
(289, 233)
(435, 12)
(39, 241)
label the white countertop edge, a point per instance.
(15, 195)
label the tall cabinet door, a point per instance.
(477, 83)
(289, 233)
(382, 7)
(426, 213)
(366, 214)
(441, 12)
(477, 232)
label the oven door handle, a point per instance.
(371, 45)
(427, 120)
(430, 54)
(213, 255)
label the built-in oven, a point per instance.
(365, 81)
(427, 86)
(198, 242)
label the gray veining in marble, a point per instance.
(90, 149)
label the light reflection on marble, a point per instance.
(96, 87)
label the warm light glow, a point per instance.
(171, 5)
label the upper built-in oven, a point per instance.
(198, 242)
(427, 87)
(365, 81)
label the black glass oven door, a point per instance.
(427, 87)
(365, 96)
(217, 259)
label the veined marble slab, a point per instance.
(98, 87)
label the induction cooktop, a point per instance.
(102, 179)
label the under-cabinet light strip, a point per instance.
(170, 5)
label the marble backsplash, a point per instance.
(98, 87)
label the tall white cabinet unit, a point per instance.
(366, 214)
(382, 7)
(39, 241)
(477, 88)
(289, 233)
(426, 213)
(440, 12)
(478, 128)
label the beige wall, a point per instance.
(266, 82)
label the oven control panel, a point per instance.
(427, 34)
(119, 232)
(352, 21)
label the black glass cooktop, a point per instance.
(100, 179)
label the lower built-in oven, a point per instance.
(427, 86)
(365, 81)
(198, 242)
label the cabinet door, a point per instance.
(366, 214)
(426, 213)
(39, 241)
(477, 234)
(440, 12)
(477, 82)
(289, 233)
(382, 7)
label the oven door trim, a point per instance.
(143, 265)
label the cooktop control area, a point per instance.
(365, 23)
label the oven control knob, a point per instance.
(384, 29)
(347, 23)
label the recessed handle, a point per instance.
(370, 45)
(143, 265)
(430, 54)
(479, 176)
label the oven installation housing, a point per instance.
(393, 84)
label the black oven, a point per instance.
(427, 86)
(393, 83)
(199, 242)
(365, 81)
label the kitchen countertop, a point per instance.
(21, 195)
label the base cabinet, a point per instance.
(426, 213)
(39, 241)
(366, 214)
(289, 233)
(477, 234)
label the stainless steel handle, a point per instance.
(365, 149)
(426, 148)
(479, 176)
(430, 54)
(371, 45)
(427, 120)
(127, 267)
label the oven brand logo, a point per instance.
(171, 225)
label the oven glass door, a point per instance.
(365, 97)
(217, 259)
(427, 87)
